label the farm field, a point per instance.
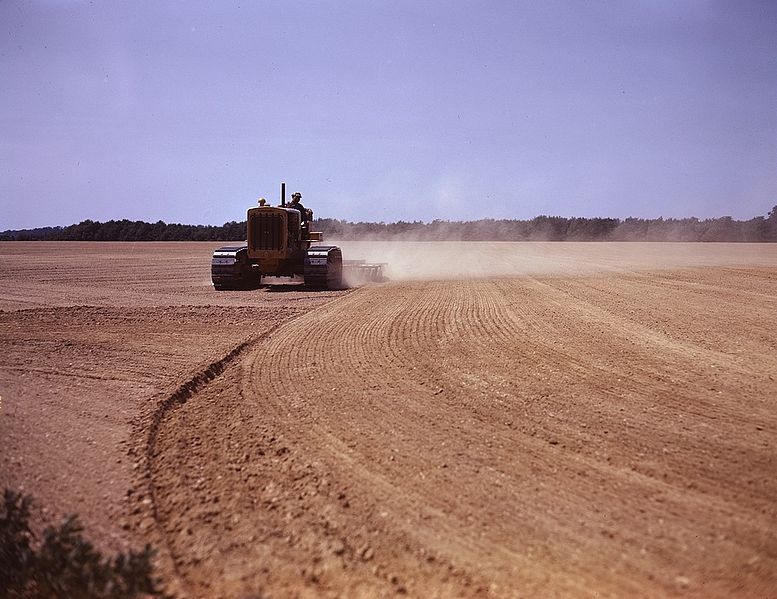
(497, 420)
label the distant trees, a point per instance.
(771, 225)
(125, 230)
(555, 228)
(540, 228)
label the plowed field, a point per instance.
(602, 426)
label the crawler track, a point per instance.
(599, 436)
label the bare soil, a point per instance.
(605, 427)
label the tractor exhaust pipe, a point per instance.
(283, 194)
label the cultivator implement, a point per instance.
(356, 272)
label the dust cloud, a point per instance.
(445, 260)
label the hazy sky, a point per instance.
(188, 111)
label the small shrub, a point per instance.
(64, 564)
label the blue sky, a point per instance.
(188, 111)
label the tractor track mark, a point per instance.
(181, 395)
(152, 425)
(149, 426)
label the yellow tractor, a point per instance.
(279, 244)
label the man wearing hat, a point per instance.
(297, 205)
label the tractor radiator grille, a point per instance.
(266, 231)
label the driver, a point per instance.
(297, 205)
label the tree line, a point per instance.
(540, 228)
(126, 230)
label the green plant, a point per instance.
(64, 564)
